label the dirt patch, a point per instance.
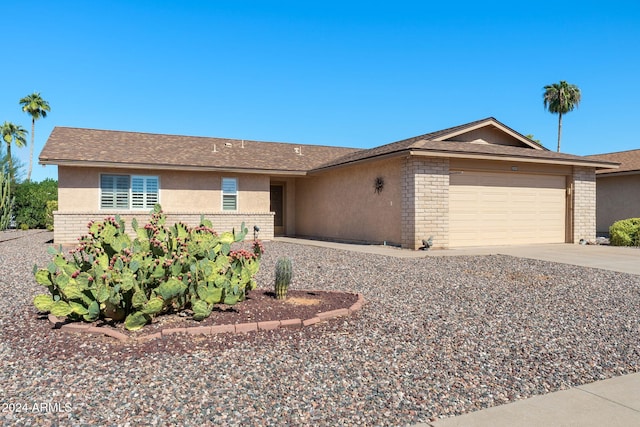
(303, 301)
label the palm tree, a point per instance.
(560, 98)
(12, 133)
(37, 108)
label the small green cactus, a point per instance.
(283, 277)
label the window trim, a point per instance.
(234, 194)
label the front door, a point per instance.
(277, 206)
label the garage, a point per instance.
(491, 208)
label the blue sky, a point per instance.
(357, 74)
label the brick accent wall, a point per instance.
(425, 201)
(68, 226)
(584, 203)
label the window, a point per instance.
(229, 194)
(128, 192)
(144, 192)
(114, 192)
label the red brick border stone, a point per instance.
(221, 329)
(246, 327)
(62, 324)
(291, 323)
(268, 325)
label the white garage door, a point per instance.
(502, 209)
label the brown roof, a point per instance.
(629, 162)
(91, 147)
(435, 144)
(76, 146)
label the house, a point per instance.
(617, 190)
(481, 183)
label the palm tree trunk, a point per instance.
(559, 129)
(33, 127)
(9, 162)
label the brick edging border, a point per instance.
(210, 330)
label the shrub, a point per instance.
(52, 205)
(164, 269)
(625, 232)
(31, 202)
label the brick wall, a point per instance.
(584, 203)
(425, 201)
(68, 226)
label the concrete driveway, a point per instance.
(615, 258)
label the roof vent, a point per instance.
(228, 144)
(298, 150)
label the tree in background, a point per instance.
(32, 203)
(560, 98)
(37, 108)
(12, 134)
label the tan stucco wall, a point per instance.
(492, 134)
(184, 196)
(494, 166)
(341, 204)
(617, 197)
(78, 190)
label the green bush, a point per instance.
(52, 205)
(31, 202)
(164, 269)
(625, 232)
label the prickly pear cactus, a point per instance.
(6, 201)
(164, 269)
(283, 277)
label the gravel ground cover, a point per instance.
(437, 337)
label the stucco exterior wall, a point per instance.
(584, 203)
(184, 196)
(342, 204)
(496, 136)
(617, 197)
(79, 189)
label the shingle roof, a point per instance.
(105, 147)
(433, 143)
(629, 161)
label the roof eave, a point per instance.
(605, 174)
(391, 155)
(514, 158)
(117, 165)
(475, 156)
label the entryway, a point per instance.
(277, 203)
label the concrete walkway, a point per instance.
(613, 403)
